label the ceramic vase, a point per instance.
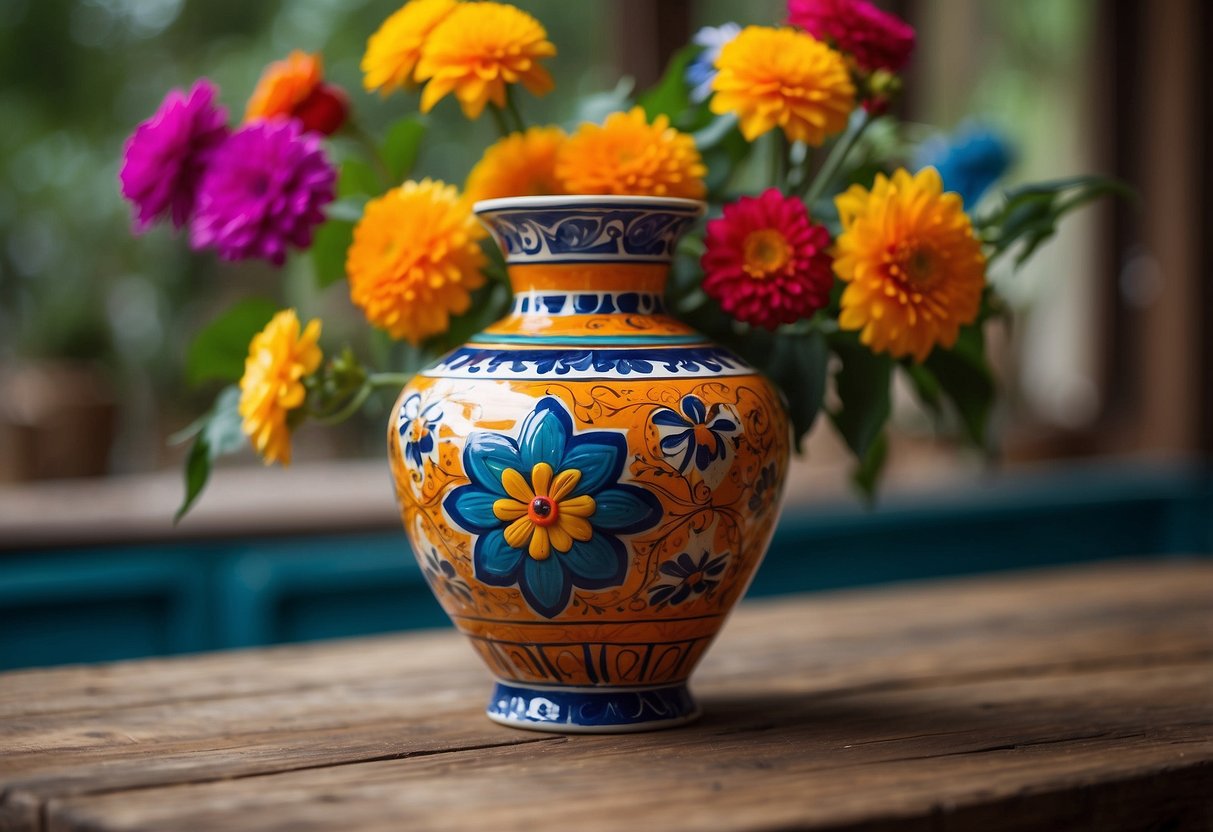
(589, 484)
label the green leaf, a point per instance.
(219, 350)
(799, 366)
(220, 434)
(964, 376)
(671, 95)
(866, 475)
(402, 146)
(329, 246)
(862, 384)
(357, 178)
(926, 386)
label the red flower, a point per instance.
(765, 262)
(874, 38)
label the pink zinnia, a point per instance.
(874, 38)
(765, 262)
(167, 155)
(264, 191)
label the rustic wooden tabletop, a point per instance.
(1071, 699)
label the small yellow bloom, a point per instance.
(913, 268)
(393, 51)
(783, 78)
(414, 259)
(541, 515)
(521, 164)
(272, 386)
(477, 50)
(629, 156)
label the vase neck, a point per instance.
(588, 289)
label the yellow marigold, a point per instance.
(783, 78)
(913, 268)
(393, 51)
(521, 164)
(477, 50)
(279, 358)
(627, 155)
(414, 259)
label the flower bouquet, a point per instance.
(824, 261)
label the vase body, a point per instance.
(589, 485)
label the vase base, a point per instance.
(588, 710)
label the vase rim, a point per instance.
(488, 206)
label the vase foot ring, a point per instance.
(589, 710)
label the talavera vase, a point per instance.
(589, 484)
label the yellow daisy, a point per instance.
(913, 267)
(414, 259)
(521, 164)
(540, 513)
(393, 51)
(279, 359)
(477, 50)
(783, 78)
(629, 156)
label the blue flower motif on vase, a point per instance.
(416, 425)
(547, 509)
(697, 434)
(691, 577)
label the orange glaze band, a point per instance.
(587, 277)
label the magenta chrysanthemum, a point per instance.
(873, 37)
(167, 155)
(264, 191)
(765, 262)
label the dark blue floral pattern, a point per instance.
(690, 578)
(570, 362)
(696, 434)
(442, 576)
(417, 425)
(762, 487)
(497, 465)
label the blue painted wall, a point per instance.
(103, 603)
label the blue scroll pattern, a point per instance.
(589, 233)
(473, 362)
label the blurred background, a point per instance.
(1105, 418)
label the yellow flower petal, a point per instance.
(272, 385)
(519, 532)
(507, 509)
(577, 528)
(582, 506)
(541, 547)
(560, 539)
(521, 164)
(541, 478)
(515, 485)
(565, 482)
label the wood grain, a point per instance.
(1078, 698)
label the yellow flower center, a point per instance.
(540, 513)
(911, 263)
(766, 251)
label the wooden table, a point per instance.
(1072, 699)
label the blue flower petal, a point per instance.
(618, 509)
(669, 418)
(495, 560)
(694, 409)
(642, 507)
(600, 462)
(545, 585)
(486, 456)
(426, 443)
(595, 562)
(544, 434)
(472, 508)
(722, 425)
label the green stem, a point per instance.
(349, 409)
(842, 148)
(379, 380)
(511, 105)
(499, 119)
(367, 143)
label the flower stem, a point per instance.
(349, 409)
(498, 114)
(367, 143)
(842, 148)
(379, 380)
(511, 105)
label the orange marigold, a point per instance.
(913, 267)
(521, 164)
(393, 51)
(414, 259)
(629, 156)
(279, 358)
(479, 49)
(783, 78)
(295, 88)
